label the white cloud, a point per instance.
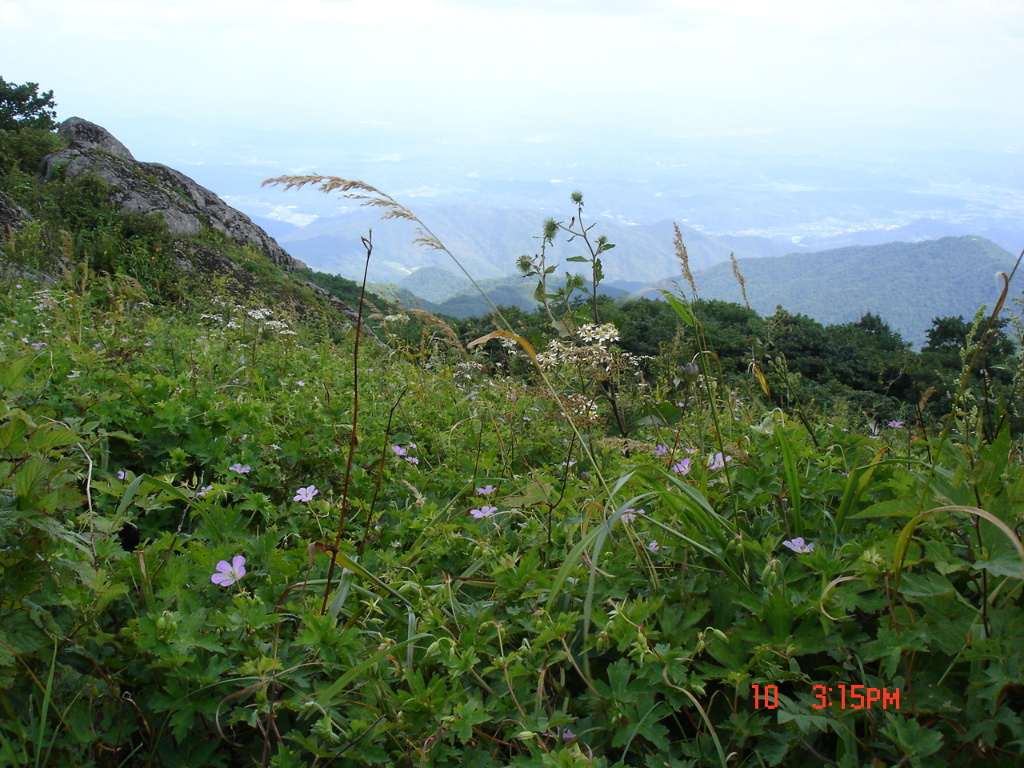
(672, 66)
(12, 16)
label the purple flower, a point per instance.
(412, 459)
(564, 733)
(799, 546)
(39, 345)
(654, 546)
(306, 494)
(896, 424)
(483, 512)
(122, 475)
(228, 573)
(487, 490)
(399, 450)
(630, 515)
(683, 467)
(718, 461)
(240, 469)
(660, 450)
(203, 491)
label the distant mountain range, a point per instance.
(906, 283)
(487, 241)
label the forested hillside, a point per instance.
(908, 284)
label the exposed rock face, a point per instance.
(11, 216)
(148, 188)
(85, 135)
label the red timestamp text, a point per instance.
(841, 695)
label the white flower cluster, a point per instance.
(468, 370)
(394, 319)
(280, 326)
(599, 333)
(557, 352)
(260, 314)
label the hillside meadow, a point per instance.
(235, 533)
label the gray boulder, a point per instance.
(147, 188)
(85, 135)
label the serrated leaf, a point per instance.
(925, 585)
(15, 370)
(1004, 565)
(29, 477)
(45, 439)
(12, 435)
(806, 723)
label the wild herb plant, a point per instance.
(568, 321)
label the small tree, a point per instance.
(22, 106)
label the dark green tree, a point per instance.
(645, 325)
(22, 106)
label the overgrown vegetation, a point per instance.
(631, 537)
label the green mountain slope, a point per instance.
(907, 284)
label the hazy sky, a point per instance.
(529, 68)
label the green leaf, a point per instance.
(28, 479)
(682, 310)
(805, 722)
(914, 739)
(45, 439)
(1005, 565)
(661, 415)
(925, 585)
(14, 371)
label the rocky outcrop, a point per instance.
(147, 188)
(12, 217)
